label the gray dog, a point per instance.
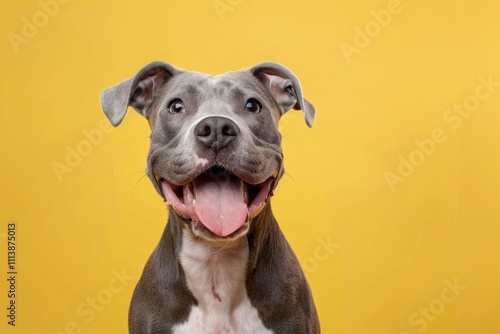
(222, 264)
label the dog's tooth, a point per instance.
(245, 194)
(255, 210)
(189, 196)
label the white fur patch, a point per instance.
(200, 161)
(216, 277)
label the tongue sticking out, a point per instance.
(220, 203)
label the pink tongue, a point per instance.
(220, 203)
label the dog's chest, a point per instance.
(216, 277)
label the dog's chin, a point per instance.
(217, 204)
(199, 231)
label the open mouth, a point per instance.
(218, 199)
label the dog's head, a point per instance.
(215, 153)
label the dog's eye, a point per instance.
(176, 107)
(253, 105)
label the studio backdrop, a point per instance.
(390, 201)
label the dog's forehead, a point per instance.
(195, 82)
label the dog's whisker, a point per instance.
(133, 173)
(136, 184)
(289, 139)
(287, 175)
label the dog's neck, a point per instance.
(209, 266)
(215, 273)
(216, 277)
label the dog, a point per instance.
(222, 264)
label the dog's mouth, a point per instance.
(218, 199)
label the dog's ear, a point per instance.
(285, 88)
(138, 92)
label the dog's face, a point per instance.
(215, 153)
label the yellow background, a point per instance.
(395, 246)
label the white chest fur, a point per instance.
(216, 276)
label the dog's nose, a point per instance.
(216, 132)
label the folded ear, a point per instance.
(138, 92)
(285, 89)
